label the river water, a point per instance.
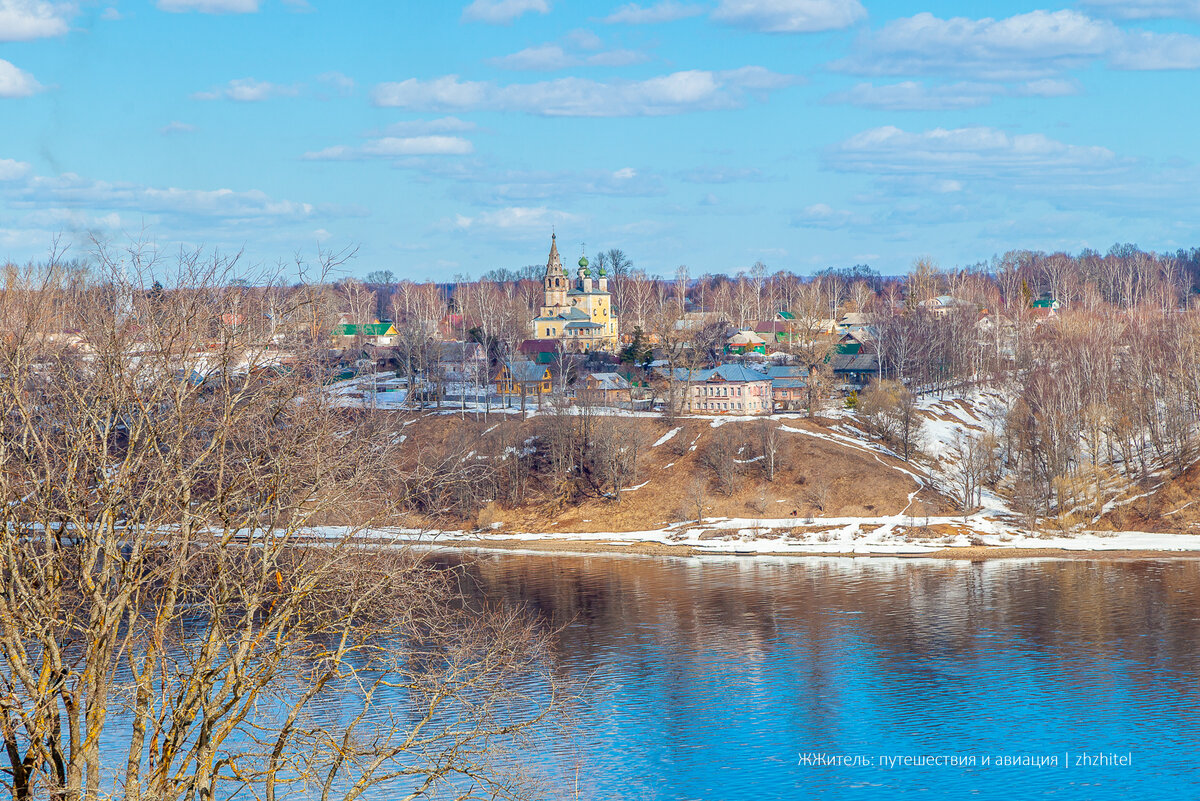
(731, 679)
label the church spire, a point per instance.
(554, 263)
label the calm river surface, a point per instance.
(710, 677)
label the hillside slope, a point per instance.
(819, 474)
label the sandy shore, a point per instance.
(971, 553)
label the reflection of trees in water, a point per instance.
(913, 618)
(704, 668)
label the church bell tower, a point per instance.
(555, 282)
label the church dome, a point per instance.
(583, 262)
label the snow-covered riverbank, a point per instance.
(865, 536)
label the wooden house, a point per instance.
(606, 389)
(517, 378)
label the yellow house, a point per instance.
(523, 378)
(578, 312)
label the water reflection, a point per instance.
(708, 677)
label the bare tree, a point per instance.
(970, 458)
(818, 492)
(769, 444)
(168, 590)
(719, 455)
(892, 415)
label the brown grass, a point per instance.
(858, 484)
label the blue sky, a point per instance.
(444, 138)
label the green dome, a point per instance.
(583, 262)
(587, 273)
(603, 272)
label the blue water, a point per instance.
(706, 679)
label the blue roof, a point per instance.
(787, 371)
(736, 372)
(725, 372)
(527, 371)
(610, 380)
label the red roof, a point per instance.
(539, 346)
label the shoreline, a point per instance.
(972, 553)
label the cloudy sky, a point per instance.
(449, 137)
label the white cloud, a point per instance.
(11, 170)
(540, 57)
(247, 90)
(1033, 45)
(72, 219)
(543, 186)
(503, 11)
(585, 39)
(915, 96)
(444, 93)
(1047, 87)
(481, 183)
(71, 191)
(677, 93)
(15, 82)
(342, 84)
(983, 174)
(395, 147)
(440, 125)
(1147, 9)
(824, 216)
(768, 16)
(978, 151)
(219, 203)
(665, 11)
(24, 20)
(175, 126)
(1157, 51)
(514, 219)
(549, 57)
(912, 96)
(790, 16)
(720, 175)
(615, 58)
(210, 6)
(40, 207)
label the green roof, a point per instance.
(366, 329)
(787, 315)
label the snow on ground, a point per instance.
(976, 412)
(854, 535)
(666, 437)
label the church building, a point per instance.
(577, 312)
